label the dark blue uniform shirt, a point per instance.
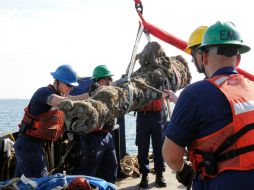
(30, 159)
(38, 103)
(201, 110)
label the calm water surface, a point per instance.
(11, 113)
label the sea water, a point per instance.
(12, 110)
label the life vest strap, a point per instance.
(211, 159)
(233, 138)
(233, 153)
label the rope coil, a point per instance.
(129, 166)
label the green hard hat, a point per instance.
(223, 33)
(101, 71)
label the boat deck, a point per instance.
(132, 183)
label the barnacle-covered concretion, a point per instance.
(157, 70)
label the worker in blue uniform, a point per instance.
(98, 155)
(149, 124)
(212, 112)
(43, 122)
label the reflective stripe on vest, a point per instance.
(240, 94)
(242, 107)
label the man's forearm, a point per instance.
(177, 166)
(79, 97)
(54, 100)
(173, 155)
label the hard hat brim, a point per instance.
(66, 82)
(103, 76)
(242, 50)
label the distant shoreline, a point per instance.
(13, 99)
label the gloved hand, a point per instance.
(93, 87)
(109, 125)
(121, 81)
(185, 176)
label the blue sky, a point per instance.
(36, 36)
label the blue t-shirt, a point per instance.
(201, 110)
(38, 102)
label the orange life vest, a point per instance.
(155, 105)
(232, 147)
(47, 126)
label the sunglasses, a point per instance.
(109, 78)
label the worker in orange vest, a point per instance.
(217, 126)
(42, 122)
(195, 40)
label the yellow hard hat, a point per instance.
(195, 38)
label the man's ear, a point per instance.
(205, 57)
(102, 82)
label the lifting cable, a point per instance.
(131, 65)
(147, 28)
(172, 40)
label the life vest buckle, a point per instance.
(210, 163)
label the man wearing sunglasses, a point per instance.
(98, 155)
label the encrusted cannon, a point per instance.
(157, 70)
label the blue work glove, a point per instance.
(121, 81)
